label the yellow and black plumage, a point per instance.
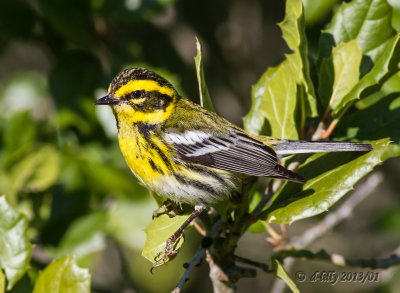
(187, 153)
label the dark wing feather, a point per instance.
(236, 152)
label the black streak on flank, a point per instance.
(195, 183)
(155, 168)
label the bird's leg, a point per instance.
(169, 245)
(166, 207)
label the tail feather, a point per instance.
(287, 147)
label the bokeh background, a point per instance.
(59, 159)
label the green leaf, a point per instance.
(84, 238)
(274, 102)
(315, 11)
(367, 21)
(126, 219)
(339, 73)
(2, 282)
(323, 189)
(386, 65)
(381, 119)
(158, 232)
(205, 99)
(63, 276)
(37, 171)
(19, 132)
(293, 31)
(15, 248)
(275, 96)
(280, 272)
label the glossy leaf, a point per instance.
(386, 65)
(63, 276)
(315, 11)
(339, 73)
(15, 248)
(367, 21)
(275, 96)
(274, 102)
(157, 233)
(205, 99)
(280, 272)
(323, 189)
(293, 31)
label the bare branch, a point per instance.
(198, 257)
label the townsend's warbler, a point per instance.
(189, 154)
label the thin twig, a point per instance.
(256, 264)
(196, 259)
(336, 259)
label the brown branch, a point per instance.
(198, 257)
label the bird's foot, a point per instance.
(169, 251)
(168, 207)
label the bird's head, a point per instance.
(140, 95)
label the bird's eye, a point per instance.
(136, 94)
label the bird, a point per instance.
(189, 154)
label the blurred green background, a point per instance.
(59, 159)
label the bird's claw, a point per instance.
(169, 251)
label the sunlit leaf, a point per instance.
(339, 73)
(294, 202)
(15, 248)
(158, 232)
(315, 11)
(280, 272)
(367, 21)
(275, 96)
(386, 65)
(205, 100)
(63, 276)
(2, 282)
(293, 31)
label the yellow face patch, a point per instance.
(143, 85)
(127, 115)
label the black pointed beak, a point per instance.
(107, 100)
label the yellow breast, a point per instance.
(148, 158)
